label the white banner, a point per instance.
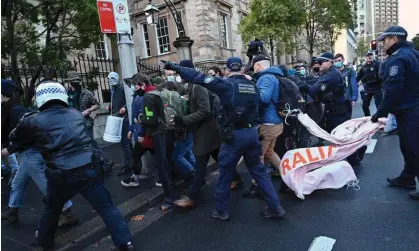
(121, 14)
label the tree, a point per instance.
(361, 48)
(43, 33)
(415, 41)
(321, 16)
(273, 21)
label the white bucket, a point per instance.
(113, 129)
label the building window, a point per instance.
(147, 50)
(163, 36)
(362, 17)
(101, 48)
(224, 30)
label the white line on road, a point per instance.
(322, 243)
(371, 146)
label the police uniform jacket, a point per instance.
(369, 75)
(329, 82)
(58, 132)
(401, 79)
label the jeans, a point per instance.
(86, 181)
(32, 165)
(163, 167)
(12, 162)
(408, 122)
(391, 124)
(126, 144)
(245, 143)
(182, 154)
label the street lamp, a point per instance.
(183, 43)
(151, 13)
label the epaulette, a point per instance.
(29, 114)
(395, 53)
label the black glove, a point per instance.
(304, 88)
(178, 121)
(375, 117)
(169, 65)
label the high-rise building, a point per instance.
(386, 14)
(365, 20)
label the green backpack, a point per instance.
(174, 105)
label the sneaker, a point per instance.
(127, 247)
(130, 182)
(414, 195)
(166, 207)
(273, 213)
(221, 216)
(184, 202)
(402, 182)
(158, 183)
(272, 171)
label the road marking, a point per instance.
(322, 243)
(371, 146)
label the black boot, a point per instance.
(12, 215)
(402, 182)
(273, 213)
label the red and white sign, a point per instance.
(106, 16)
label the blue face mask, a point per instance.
(338, 65)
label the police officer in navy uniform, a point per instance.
(401, 97)
(238, 120)
(61, 135)
(330, 90)
(369, 76)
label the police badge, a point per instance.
(208, 79)
(393, 70)
(323, 87)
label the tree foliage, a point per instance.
(415, 41)
(323, 17)
(362, 48)
(44, 32)
(272, 20)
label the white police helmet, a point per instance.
(113, 78)
(48, 91)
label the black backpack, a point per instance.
(289, 93)
(215, 103)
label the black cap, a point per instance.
(259, 58)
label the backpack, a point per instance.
(215, 103)
(173, 105)
(289, 93)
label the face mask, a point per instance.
(112, 81)
(171, 79)
(316, 69)
(338, 65)
(303, 72)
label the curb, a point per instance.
(92, 231)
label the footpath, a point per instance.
(130, 201)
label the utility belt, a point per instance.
(227, 132)
(83, 173)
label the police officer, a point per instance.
(315, 68)
(330, 90)
(369, 76)
(238, 122)
(61, 135)
(401, 97)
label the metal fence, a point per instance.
(92, 71)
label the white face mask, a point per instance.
(171, 79)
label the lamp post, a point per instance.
(183, 43)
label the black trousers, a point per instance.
(137, 153)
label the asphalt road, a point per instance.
(376, 217)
